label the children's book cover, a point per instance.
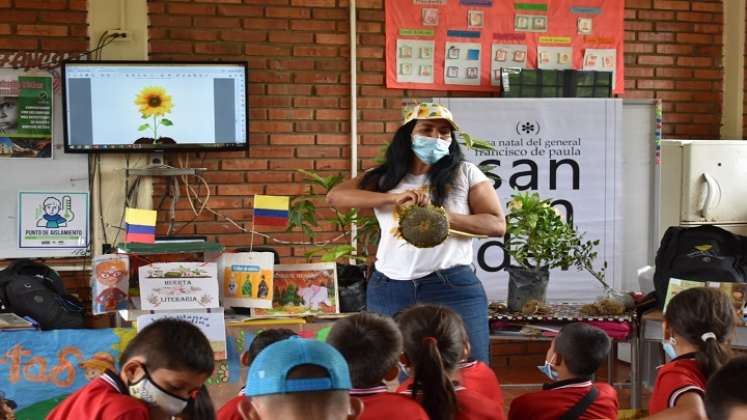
(185, 285)
(303, 289)
(212, 324)
(736, 291)
(246, 279)
(110, 282)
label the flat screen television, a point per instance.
(147, 106)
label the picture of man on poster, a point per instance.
(8, 114)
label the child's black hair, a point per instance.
(726, 389)
(171, 344)
(370, 343)
(264, 339)
(434, 341)
(583, 348)
(692, 313)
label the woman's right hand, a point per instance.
(412, 197)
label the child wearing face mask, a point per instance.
(698, 324)
(162, 369)
(573, 357)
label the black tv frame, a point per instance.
(155, 148)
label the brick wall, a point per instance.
(298, 56)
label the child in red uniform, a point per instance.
(726, 395)
(475, 376)
(697, 324)
(162, 368)
(297, 379)
(572, 359)
(230, 411)
(371, 344)
(434, 338)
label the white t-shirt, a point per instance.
(399, 260)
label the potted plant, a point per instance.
(538, 239)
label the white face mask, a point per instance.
(147, 390)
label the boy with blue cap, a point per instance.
(299, 379)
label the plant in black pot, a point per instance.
(538, 239)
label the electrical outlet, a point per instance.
(122, 35)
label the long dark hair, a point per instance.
(399, 156)
(434, 339)
(694, 312)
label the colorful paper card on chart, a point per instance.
(271, 210)
(141, 225)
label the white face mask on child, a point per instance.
(147, 390)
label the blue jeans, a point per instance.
(457, 287)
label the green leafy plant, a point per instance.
(538, 237)
(303, 215)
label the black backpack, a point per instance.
(701, 253)
(32, 289)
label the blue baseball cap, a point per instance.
(268, 373)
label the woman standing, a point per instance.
(424, 164)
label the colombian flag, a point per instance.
(271, 210)
(141, 225)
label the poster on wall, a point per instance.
(212, 324)
(38, 369)
(303, 289)
(246, 279)
(572, 158)
(184, 285)
(554, 34)
(110, 283)
(53, 220)
(25, 115)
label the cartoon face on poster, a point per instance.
(301, 289)
(110, 281)
(187, 285)
(53, 220)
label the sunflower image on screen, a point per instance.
(153, 102)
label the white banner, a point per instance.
(567, 149)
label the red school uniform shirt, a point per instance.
(473, 406)
(379, 403)
(230, 410)
(678, 377)
(557, 398)
(475, 376)
(104, 398)
(479, 377)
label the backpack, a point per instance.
(701, 253)
(33, 289)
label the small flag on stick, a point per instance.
(271, 210)
(141, 225)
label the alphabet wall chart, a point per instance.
(463, 44)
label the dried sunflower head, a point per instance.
(422, 226)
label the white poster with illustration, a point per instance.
(462, 63)
(506, 55)
(554, 58)
(53, 220)
(574, 158)
(246, 279)
(110, 283)
(601, 59)
(185, 285)
(415, 61)
(212, 324)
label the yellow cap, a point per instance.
(429, 111)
